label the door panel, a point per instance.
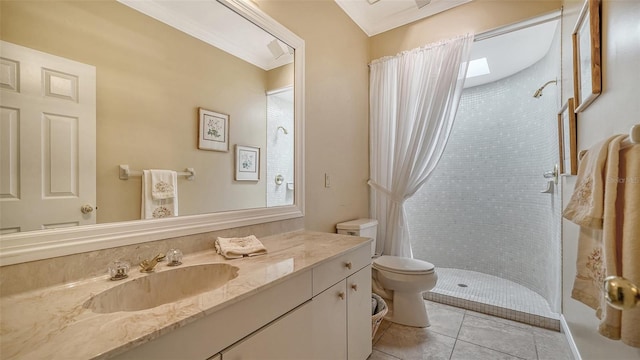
(48, 140)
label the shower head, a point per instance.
(283, 129)
(538, 92)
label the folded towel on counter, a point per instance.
(233, 248)
(156, 208)
(163, 184)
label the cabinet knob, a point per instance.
(348, 265)
(354, 287)
(341, 295)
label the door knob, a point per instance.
(86, 209)
(621, 293)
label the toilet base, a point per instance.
(408, 309)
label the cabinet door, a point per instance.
(286, 338)
(329, 326)
(359, 314)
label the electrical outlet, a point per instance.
(327, 180)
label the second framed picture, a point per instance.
(247, 163)
(567, 139)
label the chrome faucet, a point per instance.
(149, 265)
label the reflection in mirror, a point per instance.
(154, 65)
(151, 79)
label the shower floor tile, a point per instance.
(492, 295)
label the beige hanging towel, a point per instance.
(164, 184)
(152, 208)
(606, 204)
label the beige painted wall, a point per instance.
(151, 79)
(280, 77)
(337, 53)
(477, 16)
(336, 132)
(613, 112)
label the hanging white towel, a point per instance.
(233, 248)
(164, 184)
(155, 209)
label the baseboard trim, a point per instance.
(567, 333)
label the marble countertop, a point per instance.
(52, 323)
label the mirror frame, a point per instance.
(29, 246)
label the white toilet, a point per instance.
(399, 280)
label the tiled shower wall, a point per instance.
(482, 209)
(280, 147)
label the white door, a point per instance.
(47, 140)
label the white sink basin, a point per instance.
(162, 287)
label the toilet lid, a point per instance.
(402, 265)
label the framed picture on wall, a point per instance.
(247, 163)
(213, 133)
(587, 76)
(567, 140)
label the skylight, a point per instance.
(478, 67)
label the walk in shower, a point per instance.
(280, 140)
(481, 218)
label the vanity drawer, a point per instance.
(329, 273)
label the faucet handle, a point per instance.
(174, 257)
(149, 265)
(118, 270)
(159, 257)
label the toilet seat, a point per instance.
(402, 265)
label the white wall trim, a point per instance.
(567, 333)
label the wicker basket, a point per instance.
(376, 319)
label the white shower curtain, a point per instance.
(413, 99)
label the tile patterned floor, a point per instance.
(494, 296)
(459, 334)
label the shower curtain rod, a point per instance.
(517, 26)
(555, 15)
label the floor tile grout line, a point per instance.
(535, 344)
(393, 356)
(464, 314)
(499, 351)
(529, 327)
(529, 330)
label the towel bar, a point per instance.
(634, 138)
(125, 173)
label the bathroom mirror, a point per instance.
(138, 140)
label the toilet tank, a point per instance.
(360, 227)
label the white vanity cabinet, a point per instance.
(341, 324)
(359, 314)
(288, 338)
(322, 313)
(335, 324)
(212, 334)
